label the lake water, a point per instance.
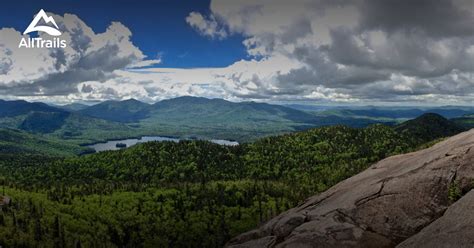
(112, 144)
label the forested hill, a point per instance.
(167, 194)
(194, 108)
(421, 199)
(428, 127)
(20, 107)
(181, 117)
(121, 111)
(18, 143)
(217, 117)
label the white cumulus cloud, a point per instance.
(206, 26)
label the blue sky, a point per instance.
(159, 27)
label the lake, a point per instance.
(112, 144)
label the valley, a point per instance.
(186, 190)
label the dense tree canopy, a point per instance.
(186, 194)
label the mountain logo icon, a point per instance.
(33, 27)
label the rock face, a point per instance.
(454, 229)
(397, 198)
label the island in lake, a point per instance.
(120, 144)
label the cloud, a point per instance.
(89, 56)
(206, 26)
(379, 50)
(316, 50)
(438, 19)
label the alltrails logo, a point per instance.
(51, 30)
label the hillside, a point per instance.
(43, 122)
(59, 124)
(214, 118)
(429, 126)
(189, 108)
(21, 143)
(203, 108)
(466, 121)
(83, 129)
(130, 110)
(20, 107)
(390, 112)
(72, 107)
(386, 204)
(171, 194)
(187, 117)
(68, 126)
(218, 118)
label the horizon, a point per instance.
(286, 104)
(344, 53)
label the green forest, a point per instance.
(190, 193)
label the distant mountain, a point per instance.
(447, 112)
(44, 122)
(120, 111)
(20, 107)
(209, 118)
(193, 117)
(451, 111)
(392, 112)
(31, 116)
(40, 118)
(199, 108)
(183, 116)
(73, 107)
(429, 127)
(312, 108)
(72, 126)
(192, 109)
(242, 121)
(466, 121)
(84, 129)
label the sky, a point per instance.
(394, 52)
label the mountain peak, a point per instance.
(131, 100)
(129, 110)
(429, 126)
(21, 107)
(430, 116)
(192, 100)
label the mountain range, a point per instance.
(182, 116)
(391, 112)
(187, 117)
(203, 110)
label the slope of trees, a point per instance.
(186, 194)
